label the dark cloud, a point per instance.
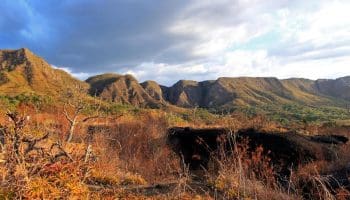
(105, 35)
(95, 36)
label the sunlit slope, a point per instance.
(23, 72)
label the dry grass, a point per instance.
(130, 152)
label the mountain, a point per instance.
(21, 71)
(125, 89)
(154, 90)
(248, 91)
(339, 88)
(223, 93)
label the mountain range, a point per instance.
(21, 71)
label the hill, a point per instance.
(21, 71)
(249, 91)
(125, 89)
(339, 88)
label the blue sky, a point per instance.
(193, 39)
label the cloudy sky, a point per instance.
(168, 40)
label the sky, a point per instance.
(169, 40)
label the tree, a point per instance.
(72, 110)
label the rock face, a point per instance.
(286, 150)
(23, 72)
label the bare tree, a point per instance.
(72, 110)
(21, 150)
(21, 145)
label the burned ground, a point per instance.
(286, 150)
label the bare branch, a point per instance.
(89, 118)
(66, 114)
(62, 153)
(32, 142)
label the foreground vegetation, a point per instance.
(77, 149)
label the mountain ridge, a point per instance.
(22, 71)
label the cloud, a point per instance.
(196, 39)
(80, 75)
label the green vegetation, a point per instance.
(287, 113)
(37, 101)
(116, 108)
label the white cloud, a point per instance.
(329, 24)
(312, 41)
(244, 63)
(280, 38)
(79, 75)
(217, 26)
(168, 74)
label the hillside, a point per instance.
(248, 91)
(21, 71)
(338, 88)
(222, 93)
(124, 89)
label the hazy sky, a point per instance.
(183, 39)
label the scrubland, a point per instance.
(124, 154)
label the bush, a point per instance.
(37, 101)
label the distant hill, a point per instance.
(223, 93)
(246, 91)
(125, 89)
(21, 71)
(339, 88)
